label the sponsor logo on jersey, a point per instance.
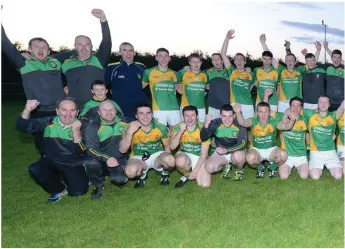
(53, 65)
(121, 76)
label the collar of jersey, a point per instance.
(95, 98)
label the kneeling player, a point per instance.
(193, 152)
(230, 141)
(293, 142)
(321, 126)
(145, 137)
(263, 147)
(340, 141)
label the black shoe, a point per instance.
(97, 193)
(182, 182)
(272, 173)
(140, 183)
(165, 180)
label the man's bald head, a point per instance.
(107, 111)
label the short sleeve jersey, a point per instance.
(150, 142)
(263, 135)
(162, 87)
(293, 141)
(266, 80)
(240, 86)
(190, 141)
(193, 88)
(321, 130)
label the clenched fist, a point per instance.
(133, 127)
(237, 108)
(112, 162)
(31, 105)
(99, 14)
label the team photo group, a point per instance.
(102, 122)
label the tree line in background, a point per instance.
(10, 74)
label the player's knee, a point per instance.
(315, 176)
(304, 175)
(251, 158)
(204, 184)
(181, 161)
(209, 166)
(283, 156)
(337, 175)
(283, 176)
(169, 160)
(239, 158)
(118, 177)
(92, 164)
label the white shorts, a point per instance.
(310, 106)
(201, 114)
(247, 110)
(340, 152)
(149, 162)
(215, 113)
(167, 117)
(295, 161)
(273, 107)
(320, 158)
(264, 153)
(193, 158)
(283, 106)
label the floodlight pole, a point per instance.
(325, 35)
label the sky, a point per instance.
(181, 26)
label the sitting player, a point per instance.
(146, 138)
(193, 152)
(230, 141)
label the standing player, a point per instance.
(241, 81)
(192, 86)
(192, 154)
(149, 144)
(230, 141)
(85, 67)
(321, 127)
(219, 92)
(162, 82)
(263, 147)
(293, 142)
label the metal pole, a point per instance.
(325, 41)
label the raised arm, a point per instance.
(241, 121)
(286, 126)
(224, 49)
(210, 126)
(26, 125)
(318, 47)
(11, 51)
(340, 110)
(262, 38)
(104, 49)
(177, 134)
(287, 46)
(126, 141)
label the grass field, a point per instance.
(251, 213)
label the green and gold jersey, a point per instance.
(193, 88)
(263, 135)
(266, 80)
(340, 138)
(151, 141)
(321, 130)
(290, 83)
(162, 87)
(293, 141)
(240, 86)
(190, 141)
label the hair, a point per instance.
(309, 55)
(67, 98)
(240, 54)
(143, 105)
(296, 99)
(226, 108)
(324, 96)
(217, 54)
(75, 40)
(194, 55)
(291, 54)
(125, 44)
(263, 104)
(336, 51)
(267, 53)
(190, 108)
(162, 50)
(99, 83)
(40, 39)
